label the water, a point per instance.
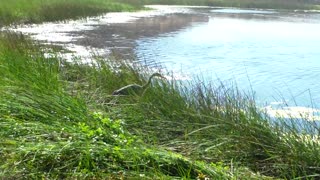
(275, 54)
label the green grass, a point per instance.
(48, 133)
(59, 120)
(37, 11)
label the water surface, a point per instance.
(275, 54)
(272, 54)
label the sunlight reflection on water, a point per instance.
(274, 53)
(248, 11)
(275, 56)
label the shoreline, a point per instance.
(60, 119)
(63, 34)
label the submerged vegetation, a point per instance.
(59, 120)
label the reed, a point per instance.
(53, 111)
(204, 121)
(50, 128)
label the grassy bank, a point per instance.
(59, 120)
(36, 11)
(48, 133)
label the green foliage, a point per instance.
(46, 132)
(36, 11)
(203, 121)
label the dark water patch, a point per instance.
(121, 37)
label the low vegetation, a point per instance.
(37, 11)
(54, 126)
(58, 120)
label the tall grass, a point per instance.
(208, 122)
(49, 130)
(36, 11)
(59, 120)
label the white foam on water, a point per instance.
(243, 11)
(178, 76)
(295, 112)
(277, 103)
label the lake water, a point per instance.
(275, 54)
